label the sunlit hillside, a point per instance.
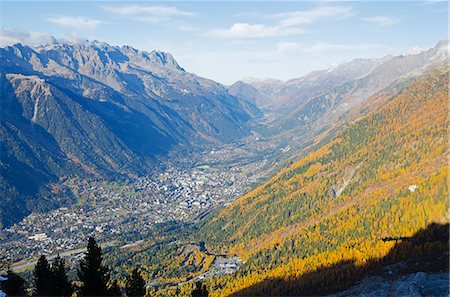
(383, 177)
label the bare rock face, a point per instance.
(418, 284)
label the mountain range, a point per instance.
(362, 210)
(310, 103)
(366, 185)
(93, 110)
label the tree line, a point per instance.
(51, 279)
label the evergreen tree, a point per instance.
(135, 285)
(42, 277)
(200, 290)
(13, 285)
(114, 289)
(61, 284)
(92, 274)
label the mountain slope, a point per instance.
(95, 109)
(249, 93)
(296, 90)
(30, 157)
(383, 176)
(317, 107)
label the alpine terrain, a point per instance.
(124, 174)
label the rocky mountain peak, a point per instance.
(108, 53)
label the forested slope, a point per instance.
(383, 176)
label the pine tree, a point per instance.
(42, 277)
(200, 290)
(60, 281)
(114, 289)
(13, 285)
(135, 285)
(92, 274)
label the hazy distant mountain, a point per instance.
(92, 108)
(319, 98)
(357, 78)
(296, 90)
(249, 93)
(281, 95)
(261, 91)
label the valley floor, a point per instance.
(184, 189)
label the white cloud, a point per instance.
(287, 46)
(245, 30)
(324, 47)
(308, 16)
(286, 23)
(434, 1)
(187, 28)
(320, 47)
(13, 36)
(382, 20)
(146, 13)
(75, 22)
(16, 35)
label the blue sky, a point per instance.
(227, 41)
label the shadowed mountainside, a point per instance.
(92, 109)
(425, 251)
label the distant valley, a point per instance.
(93, 110)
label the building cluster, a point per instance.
(221, 266)
(184, 189)
(109, 210)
